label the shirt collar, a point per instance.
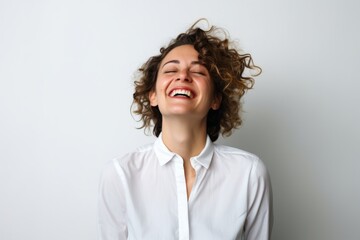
(164, 155)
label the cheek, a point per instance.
(161, 85)
(158, 88)
(209, 88)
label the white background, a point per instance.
(66, 82)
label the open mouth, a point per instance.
(181, 93)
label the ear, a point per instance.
(153, 98)
(216, 102)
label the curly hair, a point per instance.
(226, 66)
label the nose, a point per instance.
(183, 75)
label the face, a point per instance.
(183, 85)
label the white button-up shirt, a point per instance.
(143, 196)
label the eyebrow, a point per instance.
(178, 62)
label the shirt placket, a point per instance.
(183, 209)
(198, 178)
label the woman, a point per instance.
(184, 186)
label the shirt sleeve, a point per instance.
(111, 205)
(259, 220)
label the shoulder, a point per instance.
(136, 159)
(240, 159)
(134, 155)
(228, 152)
(126, 164)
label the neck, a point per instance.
(186, 138)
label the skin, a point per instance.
(184, 117)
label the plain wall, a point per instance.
(66, 82)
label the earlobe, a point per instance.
(153, 99)
(216, 103)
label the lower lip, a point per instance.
(180, 97)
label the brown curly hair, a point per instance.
(226, 67)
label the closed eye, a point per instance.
(200, 73)
(170, 71)
(199, 70)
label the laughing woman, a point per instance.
(184, 186)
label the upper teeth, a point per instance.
(180, 91)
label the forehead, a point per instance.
(184, 52)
